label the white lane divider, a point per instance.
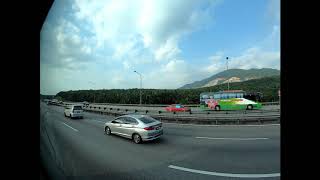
(237, 139)
(70, 127)
(225, 174)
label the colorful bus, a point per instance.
(229, 100)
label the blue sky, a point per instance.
(98, 44)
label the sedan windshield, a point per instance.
(77, 108)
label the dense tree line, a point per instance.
(268, 86)
(46, 96)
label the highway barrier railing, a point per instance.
(198, 117)
(270, 103)
(195, 117)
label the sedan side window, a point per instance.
(118, 121)
(130, 120)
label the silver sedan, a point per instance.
(136, 127)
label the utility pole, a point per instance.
(227, 70)
(140, 87)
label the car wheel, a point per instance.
(65, 115)
(107, 130)
(249, 107)
(137, 138)
(217, 108)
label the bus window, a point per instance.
(217, 96)
(232, 95)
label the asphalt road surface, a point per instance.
(79, 149)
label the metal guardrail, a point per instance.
(270, 103)
(197, 117)
(143, 105)
(160, 105)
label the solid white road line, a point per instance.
(225, 174)
(70, 127)
(239, 139)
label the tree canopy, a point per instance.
(268, 86)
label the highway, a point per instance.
(79, 149)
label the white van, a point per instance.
(73, 111)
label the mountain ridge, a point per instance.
(232, 75)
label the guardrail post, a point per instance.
(159, 112)
(135, 111)
(147, 111)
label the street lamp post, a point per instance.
(227, 70)
(140, 87)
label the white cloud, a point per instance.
(63, 46)
(256, 58)
(161, 24)
(272, 40)
(173, 74)
(86, 49)
(273, 11)
(122, 36)
(174, 66)
(253, 57)
(167, 51)
(126, 65)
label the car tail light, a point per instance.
(148, 128)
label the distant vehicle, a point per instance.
(47, 101)
(53, 102)
(139, 128)
(85, 103)
(177, 108)
(73, 111)
(229, 100)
